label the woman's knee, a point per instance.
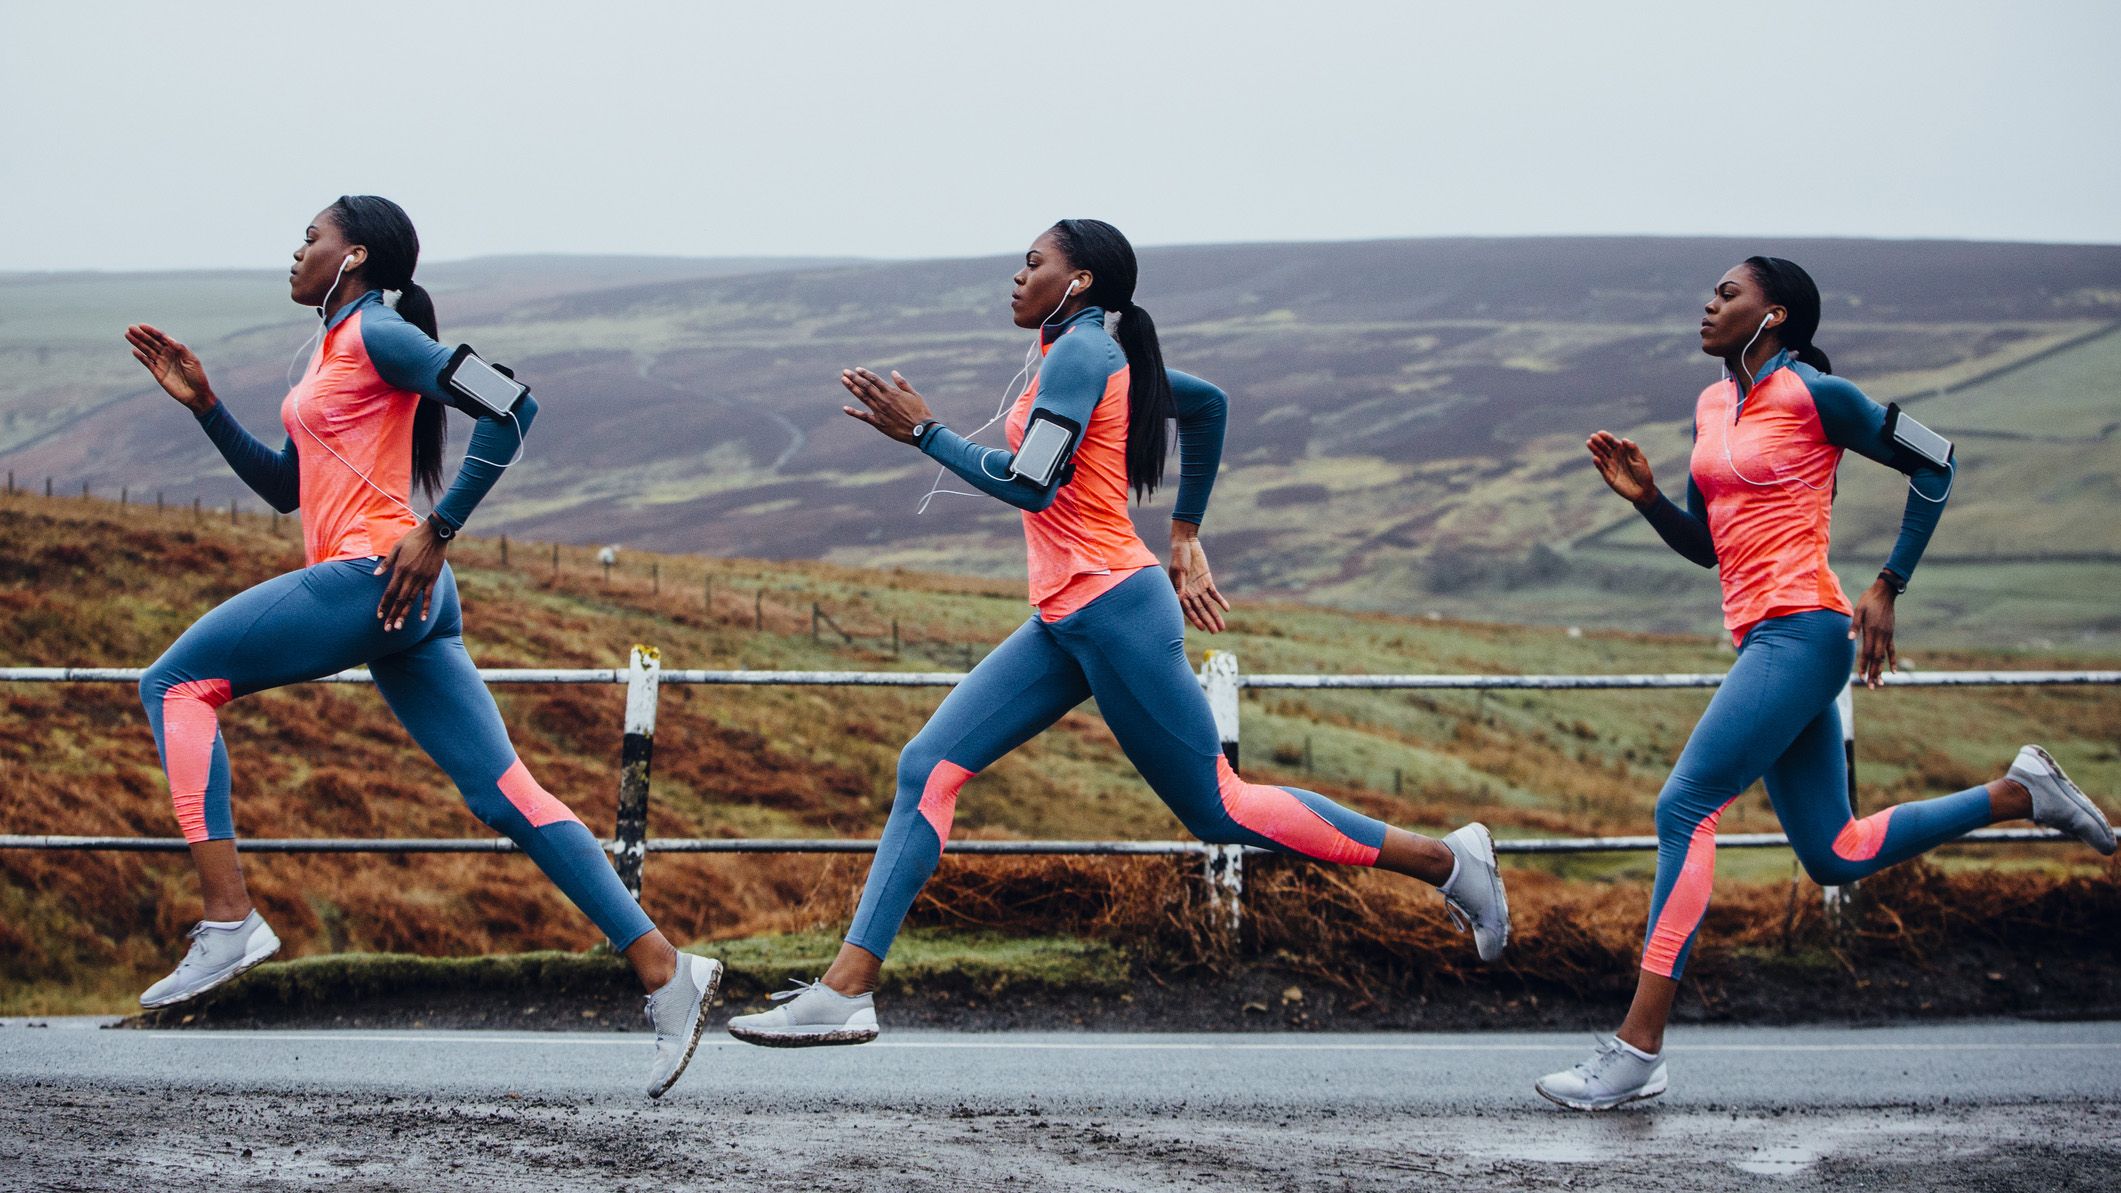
(156, 681)
(916, 762)
(1680, 810)
(1826, 867)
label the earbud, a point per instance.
(1072, 285)
(1765, 321)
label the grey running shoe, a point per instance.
(217, 954)
(1474, 894)
(2059, 803)
(1613, 1076)
(678, 1013)
(811, 1014)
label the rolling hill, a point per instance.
(1406, 424)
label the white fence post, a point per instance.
(1225, 864)
(636, 750)
(1841, 900)
(1219, 679)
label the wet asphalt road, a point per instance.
(1983, 1105)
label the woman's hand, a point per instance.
(174, 366)
(1195, 585)
(413, 566)
(1872, 629)
(1625, 470)
(893, 406)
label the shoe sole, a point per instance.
(808, 1039)
(699, 1027)
(2104, 843)
(249, 962)
(1502, 899)
(1641, 1095)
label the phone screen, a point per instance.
(1040, 454)
(1922, 441)
(479, 381)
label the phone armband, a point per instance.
(483, 388)
(1914, 438)
(1048, 444)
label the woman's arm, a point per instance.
(1854, 422)
(1202, 415)
(1070, 384)
(275, 476)
(406, 358)
(1203, 412)
(1627, 472)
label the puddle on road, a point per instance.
(1781, 1146)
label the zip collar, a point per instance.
(1091, 316)
(372, 298)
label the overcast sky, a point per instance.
(147, 136)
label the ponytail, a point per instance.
(393, 253)
(1792, 289)
(417, 308)
(1149, 403)
(1099, 247)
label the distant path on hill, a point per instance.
(1986, 1105)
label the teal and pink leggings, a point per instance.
(321, 620)
(1126, 648)
(1774, 718)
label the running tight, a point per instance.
(1774, 718)
(1126, 648)
(321, 620)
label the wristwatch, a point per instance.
(921, 429)
(442, 529)
(1892, 581)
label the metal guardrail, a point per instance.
(1220, 678)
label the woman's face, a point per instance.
(1735, 311)
(317, 261)
(1041, 290)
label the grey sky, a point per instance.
(158, 135)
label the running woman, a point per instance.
(1760, 491)
(1107, 623)
(364, 424)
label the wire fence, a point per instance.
(1221, 680)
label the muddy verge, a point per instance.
(549, 992)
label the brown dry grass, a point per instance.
(88, 583)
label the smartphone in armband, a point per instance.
(1912, 436)
(1046, 445)
(480, 384)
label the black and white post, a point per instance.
(636, 750)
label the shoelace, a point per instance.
(801, 988)
(1607, 1050)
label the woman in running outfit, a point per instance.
(1760, 491)
(364, 424)
(1107, 624)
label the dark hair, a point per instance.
(1100, 248)
(383, 228)
(1789, 287)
